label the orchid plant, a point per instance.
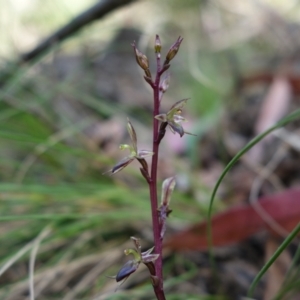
(172, 119)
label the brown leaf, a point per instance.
(240, 222)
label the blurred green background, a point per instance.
(63, 116)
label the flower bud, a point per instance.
(141, 58)
(167, 190)
(157, 46)
(173, 50)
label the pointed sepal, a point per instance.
(167, 190)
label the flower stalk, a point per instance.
(153, 184)
(161, 121)
(158, 134)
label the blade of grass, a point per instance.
(284, 121)
(283, 246)
(112, 215)
(291, 276)
(33, 255)
(290, 288)
(23, 250)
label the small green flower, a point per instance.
(134, 152)
(174, 119)
(139, 257)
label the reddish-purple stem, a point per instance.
(159, 292)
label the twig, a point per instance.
(95, 12)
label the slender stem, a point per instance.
(153, 187)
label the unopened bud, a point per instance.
(173, 50)
(157, 46)
(141, 58)
(167, 190)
